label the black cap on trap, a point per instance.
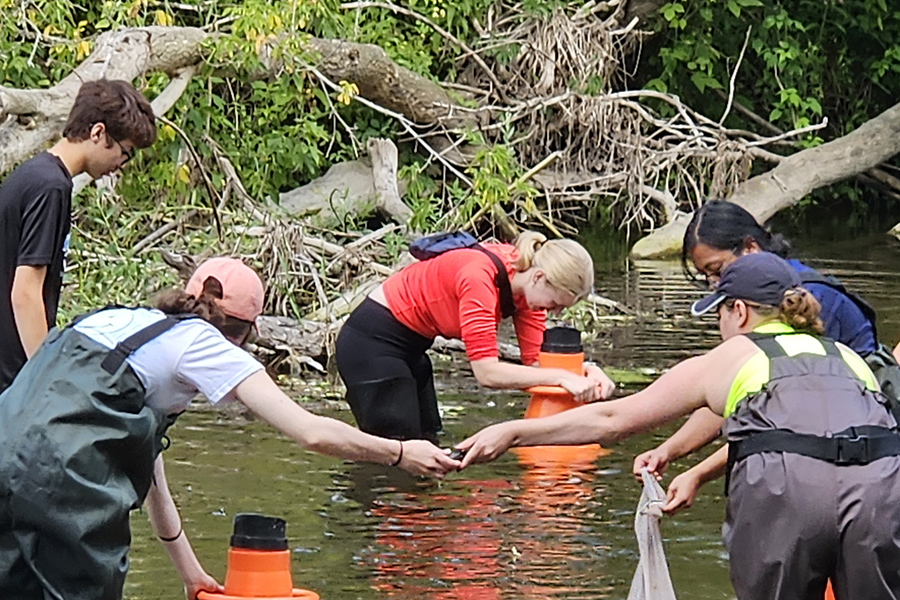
(562, 340)
(258, 532)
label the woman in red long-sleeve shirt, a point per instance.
(381, 349)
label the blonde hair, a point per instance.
(566, 263)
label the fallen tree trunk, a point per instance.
(31, 119)
(797, 175)
(386, 83)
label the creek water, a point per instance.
(531, 526)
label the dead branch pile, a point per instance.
(562, 102)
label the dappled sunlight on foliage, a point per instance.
(549, 127)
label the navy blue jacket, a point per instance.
(844, 321)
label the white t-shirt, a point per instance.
(192, 356)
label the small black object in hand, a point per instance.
(457, 454)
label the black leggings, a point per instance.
(390, 383)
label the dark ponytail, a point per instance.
(174, 302)
(726, 226)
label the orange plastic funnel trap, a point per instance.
(561, 349)
(259, 562)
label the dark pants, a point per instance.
(390, 383)
(793, 522)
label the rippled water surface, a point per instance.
(546, 525)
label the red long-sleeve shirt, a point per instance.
(454, 295)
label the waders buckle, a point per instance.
(851, 450)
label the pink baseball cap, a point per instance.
(242, 289)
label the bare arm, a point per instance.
(493, 373)
(676, 393)
(166, 523)
(27, 299)
(700, 429)
(336, 438)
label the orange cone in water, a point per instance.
(829, 594)
(259, 562)
(561, 349)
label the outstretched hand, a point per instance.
(421, 457)
(487, 444)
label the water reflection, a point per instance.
(533, 536)
(557, 495)
(513, 529)
(445, 545)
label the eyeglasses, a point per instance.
(128, 154)
(703, 281)
(710, 279)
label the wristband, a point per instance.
(399, 457)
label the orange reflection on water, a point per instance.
(502, 539)
(454, 545)
(496, 539)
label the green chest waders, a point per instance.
(77, 448)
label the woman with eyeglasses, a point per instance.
(813, 453)
(83, 424)
(719, 233)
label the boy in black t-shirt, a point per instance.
(108, 121)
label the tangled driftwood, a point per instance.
(556, 94)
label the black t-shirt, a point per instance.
(35, 214)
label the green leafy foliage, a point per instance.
(804, 60)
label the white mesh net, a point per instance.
(651, 579)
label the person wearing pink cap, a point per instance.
(83, 424)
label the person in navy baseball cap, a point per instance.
(761, 277)
(809, 439)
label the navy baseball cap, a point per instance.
(760, 277)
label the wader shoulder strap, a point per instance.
(770, 346)
(126, 347)
(837, 285)
(766, 342)
(501, 280)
